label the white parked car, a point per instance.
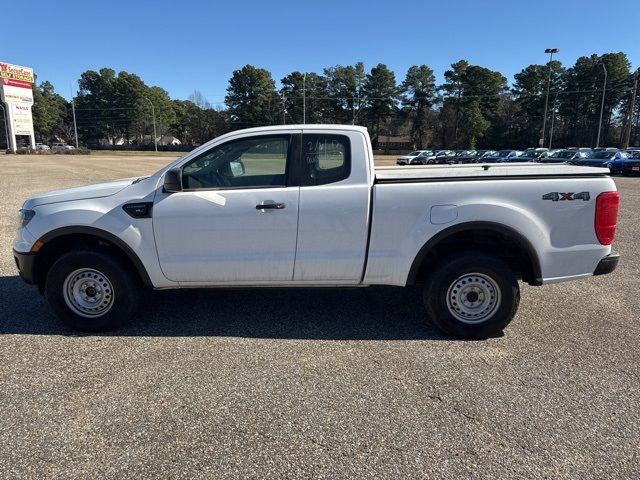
(42, 146)
(295, 206)
(417, 157)
(62, 146)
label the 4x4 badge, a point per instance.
(559, 196)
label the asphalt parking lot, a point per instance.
(315, 383)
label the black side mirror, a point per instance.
(173, 181)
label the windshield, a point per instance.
(413, 154)
(426, 153)
(504, 153)
(601, 155)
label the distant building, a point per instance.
(394, 142)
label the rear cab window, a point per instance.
(326, 158)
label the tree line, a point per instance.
(474, 108)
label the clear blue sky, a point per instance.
(189, 45)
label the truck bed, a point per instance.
(435, 173)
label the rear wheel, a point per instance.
(471, 295)
(92, 290)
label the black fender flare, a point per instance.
(103, 235)
(508, 232)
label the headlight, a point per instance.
(25, 216)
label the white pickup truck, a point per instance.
(305, 206)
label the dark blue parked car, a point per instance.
(502, 156)
(611, 159)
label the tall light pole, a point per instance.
(627, 137)
(6, 130)
(550, 51)
(604, 89)
(553, 117)
(153, 115)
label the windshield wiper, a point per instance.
(138, 180)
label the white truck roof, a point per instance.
(308, 126)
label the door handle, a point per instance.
(270, 205)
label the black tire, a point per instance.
(122, 294)
(494, 276)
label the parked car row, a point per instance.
(54, 146)
(626, 162)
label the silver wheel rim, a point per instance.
(88, 293)
(473, 298)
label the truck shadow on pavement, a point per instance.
(374, 313)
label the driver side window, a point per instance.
(245, 163)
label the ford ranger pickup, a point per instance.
(293, 206)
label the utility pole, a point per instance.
(6, 130)
(73, 109)
(604, 89)
(304, 99)
(631, 109)
(284, 99)
(550, 51)
(75, 125)
(353, 110)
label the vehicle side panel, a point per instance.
(333, 223)
(407, 215)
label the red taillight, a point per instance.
(607, 205)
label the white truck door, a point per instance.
(334, 207)
(236, 219)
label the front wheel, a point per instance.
(471, 295)
(92, 290)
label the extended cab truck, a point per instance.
(304, 206)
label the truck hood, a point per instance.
(97, 190)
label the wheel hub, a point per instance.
(473, 298)
(88, 293)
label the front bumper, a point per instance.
(25, 263)
(607, 265)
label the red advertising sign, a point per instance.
(15, 83)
